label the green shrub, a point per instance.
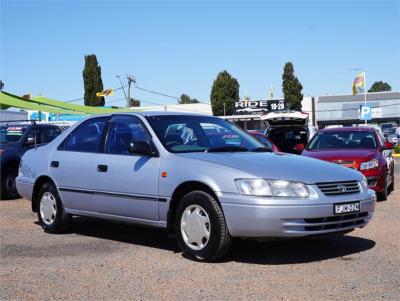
(397, 149)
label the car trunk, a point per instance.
(287, 130)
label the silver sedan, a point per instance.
(201, 178)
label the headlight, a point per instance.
(369, 165)
(364, 183)
(276, 188)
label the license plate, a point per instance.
(346, 208)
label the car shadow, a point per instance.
(122, 232)
(297, 251)
(294, 251)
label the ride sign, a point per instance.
(253, 107)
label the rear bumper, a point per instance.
(24, 189)
(246, 220)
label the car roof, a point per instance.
(349, 129)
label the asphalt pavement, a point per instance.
(100, 260)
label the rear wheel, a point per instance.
(8, 184)
(201, 228)
(51, 213)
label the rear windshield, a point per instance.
(335, 140)
(10, 134)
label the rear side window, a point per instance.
(87, 137)
(50, 133)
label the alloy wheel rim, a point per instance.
(195, 227)
(48, 208)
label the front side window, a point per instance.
(345, 139)
(87, 137)
(123, 131)
(34, 135)
(181, 134)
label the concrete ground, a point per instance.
(106, 261)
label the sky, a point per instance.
(180, 47)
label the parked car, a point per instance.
(360, 148)
(385, 127)
(15, 139)
(200, 177)
(288, 130)
(264, 140)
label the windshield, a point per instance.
(9, 134)
(335, 140)
(182, 134)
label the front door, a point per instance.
(126, 184)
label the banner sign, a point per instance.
(256, 107)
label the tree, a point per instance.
(291, 88)
(92, 81)
(185, 99)
(380, 87)
(1, 85)
(225, 90)
(134, 102)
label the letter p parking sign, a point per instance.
(365, 112)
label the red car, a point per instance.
(264, 140)
(361, 148)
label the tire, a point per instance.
(382, 195)
(199, 207)
(51, 212)
(391, 186)
(8, 184)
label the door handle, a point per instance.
(102, 168)
(55, 164)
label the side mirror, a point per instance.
(389, 145)
(29, 141)
(299, 147)
(140, 148)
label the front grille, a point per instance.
(329, 224)
(339, 188)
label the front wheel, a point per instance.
(51, 213)
(201, 228)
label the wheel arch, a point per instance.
(36, 188)
(177, 195)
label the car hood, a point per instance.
(357, 155)
(279, 166)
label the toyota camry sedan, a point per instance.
(199, 177)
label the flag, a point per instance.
(108, 92)
(359, 84)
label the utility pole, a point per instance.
(131, 79)
(122, 86)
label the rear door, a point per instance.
(72, 164)
(126, 184)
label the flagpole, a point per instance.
(365, 92)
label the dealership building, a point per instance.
(344, 109)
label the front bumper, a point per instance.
(289, 220)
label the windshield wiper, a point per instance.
(227, 149)
(261, 149)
